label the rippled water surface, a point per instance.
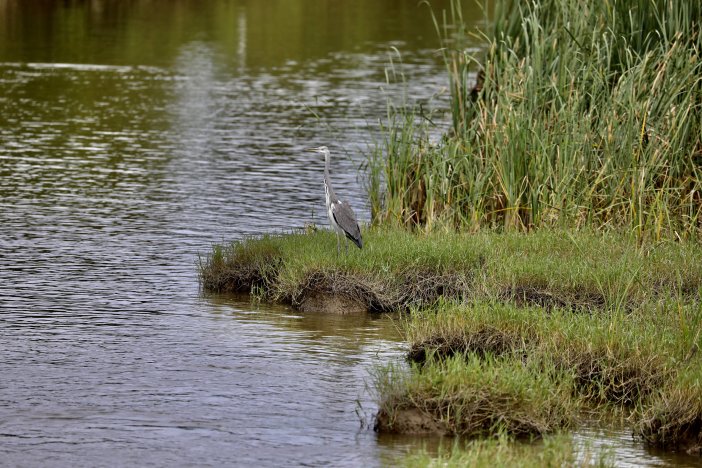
(135, 134)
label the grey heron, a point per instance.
(341, 215)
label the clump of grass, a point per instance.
(555, 450)
(642, 361)
(617, 357)
(468, 396)
(584, 117)
(672, 418)
(251, 264)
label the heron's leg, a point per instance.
(346, 243)
(338, 247)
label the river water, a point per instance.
(133, 135)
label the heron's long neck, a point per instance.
(331, 197)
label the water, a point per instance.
(133, 135)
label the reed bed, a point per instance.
(575, 115)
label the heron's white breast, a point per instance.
(330, 205)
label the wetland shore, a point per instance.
(543, 255)
(507, 333)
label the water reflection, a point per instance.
(135, 134)
(363, 328)
(254, 34)
(627, 452)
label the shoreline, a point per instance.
(593, 318)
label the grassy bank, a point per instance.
(398, 270)
(614, 356)
(642, 362)
(507, 332)
(580, 116)
(473, 396)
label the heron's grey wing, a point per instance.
(346, 219)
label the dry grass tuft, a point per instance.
(524, 295)
(381, 294)
(486, 340)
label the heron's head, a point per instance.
(320, 149)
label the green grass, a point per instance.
(241, 266)
(469, 396)
(614, 357)
(586, 116)
(643, 363)
(397, 270)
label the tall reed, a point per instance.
(580, 115)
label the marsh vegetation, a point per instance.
(573, 116)
(507, 332)
(544, 251)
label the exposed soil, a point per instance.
(680, 435)
(322, 302)
(488, 340)
(373, 295)
(408, 421)
(524, 296)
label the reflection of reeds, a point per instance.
(554, 450)
(581, 116)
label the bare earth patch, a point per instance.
(329, 303)
(408, 421)
(527, 296)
